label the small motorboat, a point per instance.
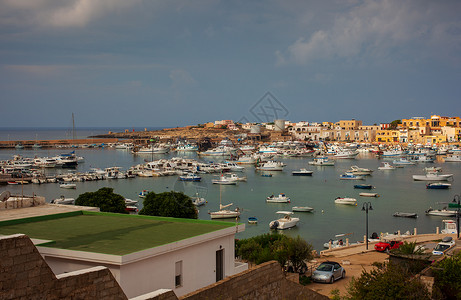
(369, 195)
(403, 162)
(350, 176)
(438, 186)
(363, 186)
(63, 200)
(322, 161)
(130, 202)
(68, 185)
(13, 182)
(360, 171)
(284, 222)
(224, 181)
(302, 209)
(252, 220)
(405, 215)
(346, 201)
(433, 177)
(266, 175)
(386, 166)
(281, 198)
(441, 212)
(302, 172)
(143, 193)
(198, 201)
(131, 208)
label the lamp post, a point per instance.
(457, 212)
(366, 207)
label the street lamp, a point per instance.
(366, 207)
(457, 212)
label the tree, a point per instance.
(447, 277)
(105, 199)
(169, 204)
(394, 124)
(387, 281)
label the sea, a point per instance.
(396, 188)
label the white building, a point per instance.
(184, 265)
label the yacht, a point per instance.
(224, 213)
(271, 166)
(281, 198)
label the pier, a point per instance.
(55, 143)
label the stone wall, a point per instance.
(24, 274)
(14, 202)
(265, 281)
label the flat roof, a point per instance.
(108, 233)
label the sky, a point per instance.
(149, 63)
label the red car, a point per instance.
(386, 246)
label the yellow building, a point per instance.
(349, 124)
(387, 136)
(435, 121)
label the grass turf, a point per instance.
(112, 234)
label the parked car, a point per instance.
(445, 244)
(328, 271)
(387, 245)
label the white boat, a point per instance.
(234, 167)
(350, 176)
(441, 212)
(346, 154)
(234, 177)
(369, 194)
(271, 166)
(432, 169)
(360, 171)
(246, 159)
(247, 148)
(143, 194)
(68, 186)
(433, 177)
(130, 202)
(453, 158)
(223, 180)
(302, 208)
(224, 213)
(281, 198)
(219, 151)
(188, 147)
(392, 153)
(449, 227)
(198, 201)
(302, 172)
(152, 149)
(63, 200)
(190, 177)
(322, 161)
(386, 166)
(403, 162)
(336, 243)
(285, 222)
(346, 201)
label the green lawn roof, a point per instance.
(109, 233)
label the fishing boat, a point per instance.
(302, 208)
(346, 201)
(63, 200)
(322, 161)
(224, 181)
(364, 186)
(438, 185)
(441, 212)
(449, 227)
(190, 177)
(386, 166)
(285, 222)
(68, 185)
(433, 177)
(350, 176)
(234, 177)
(453, 158)
(302, 172)
(281, 198)
(346, 154)
(143, 193)
(369, 195)
(271, 166)
(252, 220)
(405, 215)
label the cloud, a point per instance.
(181, 79)
(73, 13)
(377, 29)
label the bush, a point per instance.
(447, 277)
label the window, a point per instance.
(178, 274)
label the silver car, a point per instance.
(328, 271)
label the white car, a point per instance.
(446, 243)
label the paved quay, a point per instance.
(356, 259)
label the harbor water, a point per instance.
(398, 192)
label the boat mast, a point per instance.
(73, 128)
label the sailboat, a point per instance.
(224, 213)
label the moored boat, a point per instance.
(433, 177)
(281, 198)
(441, 212)
(302, 172)
(68, 185)
(63, 200)
(252, 220)
(346, 201)
(386, 166)
(438, 185)
(405, 215)
(302, 208)
(369, 195)
(350, 176)
(285, 222)
(322, 161)
(364, 186)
